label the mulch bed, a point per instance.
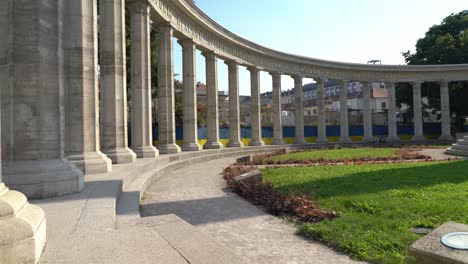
(299, 208)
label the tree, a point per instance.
(446, 43)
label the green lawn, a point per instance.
(339, 154)
(378, 203)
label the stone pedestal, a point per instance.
(141, 110)
(113, 77)
(255, 108)
(344, 124)
(277, 125)
(234, 108)
(212, 102)
(322, 114)
(22, 228)
(299, 110)
(460, 148)
(190, 96)
(366, 94)
(430, 250)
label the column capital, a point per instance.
(320, 80)
(186, 42)
(417, 82)
(444, 83)
(275, 74)
(164, 28)
(139, 6)
(343, 82)
(231, 63)
(253, 69)
(209, 55)
(297, 78)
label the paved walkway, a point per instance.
(439, 154)
(198, 194)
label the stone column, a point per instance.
(255, 108)
(82, 139)
(417, 107)
(190, 96)
(392, 121)
(299, 110)
(31, 97)
(141, 104)
(114, 139)
(234, 108)
(344, 124)
(277, 125)
(32, 88)
(212, 101)
(445, 111)
(166, 98)
(322, 114)
(367, 109)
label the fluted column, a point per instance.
(277, 126)
(417, 107)
(234, 107)
(255, 108)
(392, 120)
(190, 96)
(445, 111)
(82, 143)
(141, 110)
(299, 110)
(322, 114)
(113, 76)
(344, 124)
(166, 98)
(212, 101)
(367, 109)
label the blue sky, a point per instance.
(340, 30)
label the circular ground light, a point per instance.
(457, 240)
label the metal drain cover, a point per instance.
(457, 240)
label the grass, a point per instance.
(339, 154)
(378, 203)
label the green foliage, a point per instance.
(339, 154)
(378, 204)
(446, 43)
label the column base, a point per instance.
(169, 148)
(145, 151)
(23, 228)
(235, 144)
(213, 145)
(460, 148)
(418, 138)
(368, 139)
(92, 162)
(321, 140)
(277, 142)
(446, 137)
(300, 141)
(120, 155)
(345, 140)
(43, 178)
(191, 147)
(392, 139)
(257, 143)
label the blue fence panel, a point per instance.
(309, 131)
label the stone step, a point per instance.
(193, 244)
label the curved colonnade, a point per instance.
(61, 120)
